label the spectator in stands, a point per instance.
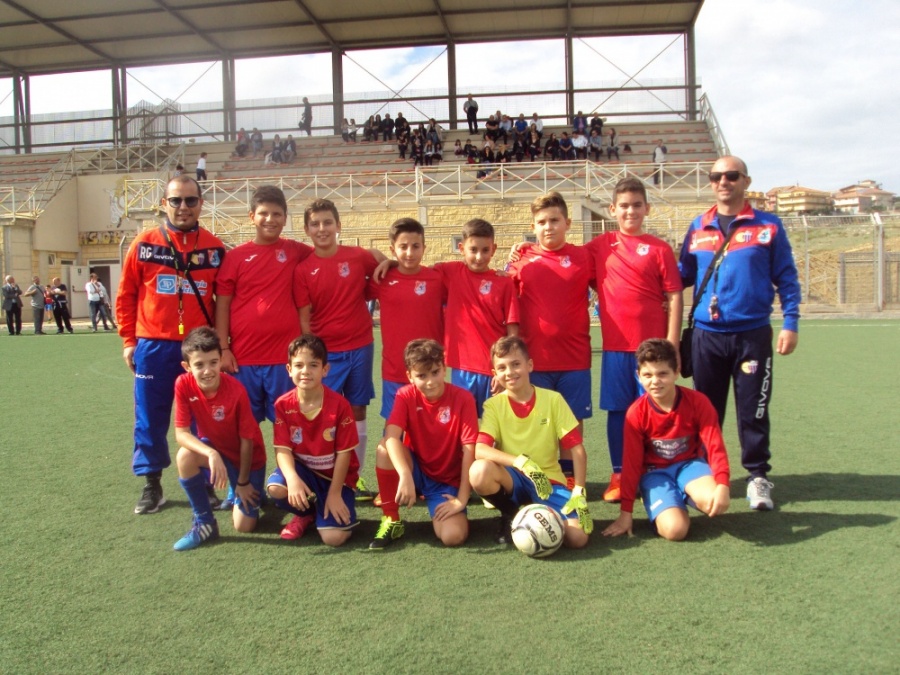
(12, 305)
(256, 142)
(458, 148)
(469, 150)
(533, 147)
(485, 160)
(492, 128)
(274, 154)
(506, 126)
(520, 128)
(612, 144)
(597, 123)
(429, 152)
(596, 144)
(580, 145)
(579, 123)
(401, 124)
(368, 129)
(566, 147)
(502, 154)
(434, 133)
(306, 117)
(345, 130)
(538, 125)
(243, 142)
(353, 129)
(201, 167)
(289, 150)
(179, 169)
(438, 153)
(659, 158)
(376, 127)
(518, 150)
(417, 150)
(402, 143)
(551, 148)
(470, 108)
(387, 127)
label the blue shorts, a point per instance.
(389, 391)
(574, 385)
(432, 490)
(524, 493)
(663, 489)
(619, 383)
(350, 374)
(264, 384)
(320, 487)
(476, 384)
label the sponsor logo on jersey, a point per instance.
(296, 435)
(214, 260)
(643, 249)
(565, 261)
(743, 237)
(704, 241)
(667, 448)
(346, 421)
(329, 434)
(250, 259)
(314, 272)
(141, 376)
(281, 256)
(166, 284)
(421, 286)
(393, 283)
(193, 399)
(545, 420)
(344, 269)
(218, 413)
(765, 236)
(763, 403)
(444, 415)
(485, 288)
(749, 367)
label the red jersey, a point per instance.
(263, 314)
(553, 294)
(224, 419)
(655, 439)
(316, 442)
(437, 430)
(148, 298)
(479, 308)
(335, 288)
(412, 307)
(633, 276)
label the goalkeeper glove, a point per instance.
(533, 472)
(578, 503)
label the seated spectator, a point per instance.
(179, 170)
(551, 149)
(377, 128)
(579, 123)
(402, 143)
(596, 144)
(520, 128)
(580, 145)
(274, 154)
(566, 148)
(470, 151)
(538, 125)
(502, 154)
(345, 130)
(387, 127)
(438, 153)
(612, 144)
(256, 142)
(488, 143)
(458, 148)
(429, 152)
(485, 159)
(597, 123)
(417, 153)
(534, 147)
(352, 130)
(434, 132)
(492, 128)
(518, 150)
(369, 130)
(506, 127)
(243, 143)
(401, 124)
(289, 150)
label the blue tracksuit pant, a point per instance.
(157, 364)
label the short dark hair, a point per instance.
(201, 339)
(549, 200)
(656, 350)
(423, 353)
(184, 178)
(313, 343)
(507, 344)
(320, 205)
(268, 194)
(478, 227)
(406, 225)
(630, 184)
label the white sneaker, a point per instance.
(759, 494)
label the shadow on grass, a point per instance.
(830, 487)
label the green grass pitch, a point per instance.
(86, 586)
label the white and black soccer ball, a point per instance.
(537, 531)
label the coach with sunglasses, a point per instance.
(165, 291)
(737, 258)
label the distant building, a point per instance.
(798, 199)
(864, 197)
(757, 199)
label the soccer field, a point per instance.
(811, 587)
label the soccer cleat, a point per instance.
(613, 493)
(504, 535)
(361, 494)
(297, 527)
(214, 501)
(759, 494)
(388, 531)
(198, 533)
(151, 498)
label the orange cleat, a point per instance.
(613, 492)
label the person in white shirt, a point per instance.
(97, 298)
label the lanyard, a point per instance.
(179, 276)
(714, 300)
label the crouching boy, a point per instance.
(315, 441)
(667, 432)
(521, 433)
(228, 443)
(441, 428)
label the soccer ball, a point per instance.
(537, 531)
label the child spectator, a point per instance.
(612, 144)
(352, 130)
(659, 158)
(227, 443)
(668, 432)
(314, 447)
(417, 153)
(345, 130)
(428, 449)
(402, 144)
(429, 153)
(179, 170)
(516, 454)
(201, 167)
(458, 148)
(639, 291)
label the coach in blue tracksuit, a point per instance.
(733, 332)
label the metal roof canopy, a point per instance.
(58, 36)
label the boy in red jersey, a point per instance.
(441, 428)
(330, 290)
(481, 308)
(315, 439)
(553, 278)
(228, 443)
(639, 289)
(412, 305)
(668, 431)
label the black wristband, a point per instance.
(243, 484)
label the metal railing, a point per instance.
(708, 115)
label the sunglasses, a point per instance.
(732, 176)
(175, 202)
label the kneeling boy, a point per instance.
(667, 432)
(441, 425)
(521, 433)
(228, 442)
(315, 441)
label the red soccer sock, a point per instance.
(388, 482)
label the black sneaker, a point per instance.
(214, 501)
(151, 498)
(503, 531)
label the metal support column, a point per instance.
(22, 113)
(451, 85)
(570, 81)
(120, 105)
(337, 87)
(690, 74)
(229, 100)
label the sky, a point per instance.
(804, 90)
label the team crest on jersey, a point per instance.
(565, 261)
(421, 287)
(344, 269)
(643, 249)
(485, 288)
(214, 259)
(280, 255)
(765, 236)
(198, 258)
(218, 413)
(749, 367)
(296, 435)
(667, 448)
(329, 434)
(444, 414)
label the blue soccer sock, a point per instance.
(195, 488)
(615, 437)
(285, 505)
